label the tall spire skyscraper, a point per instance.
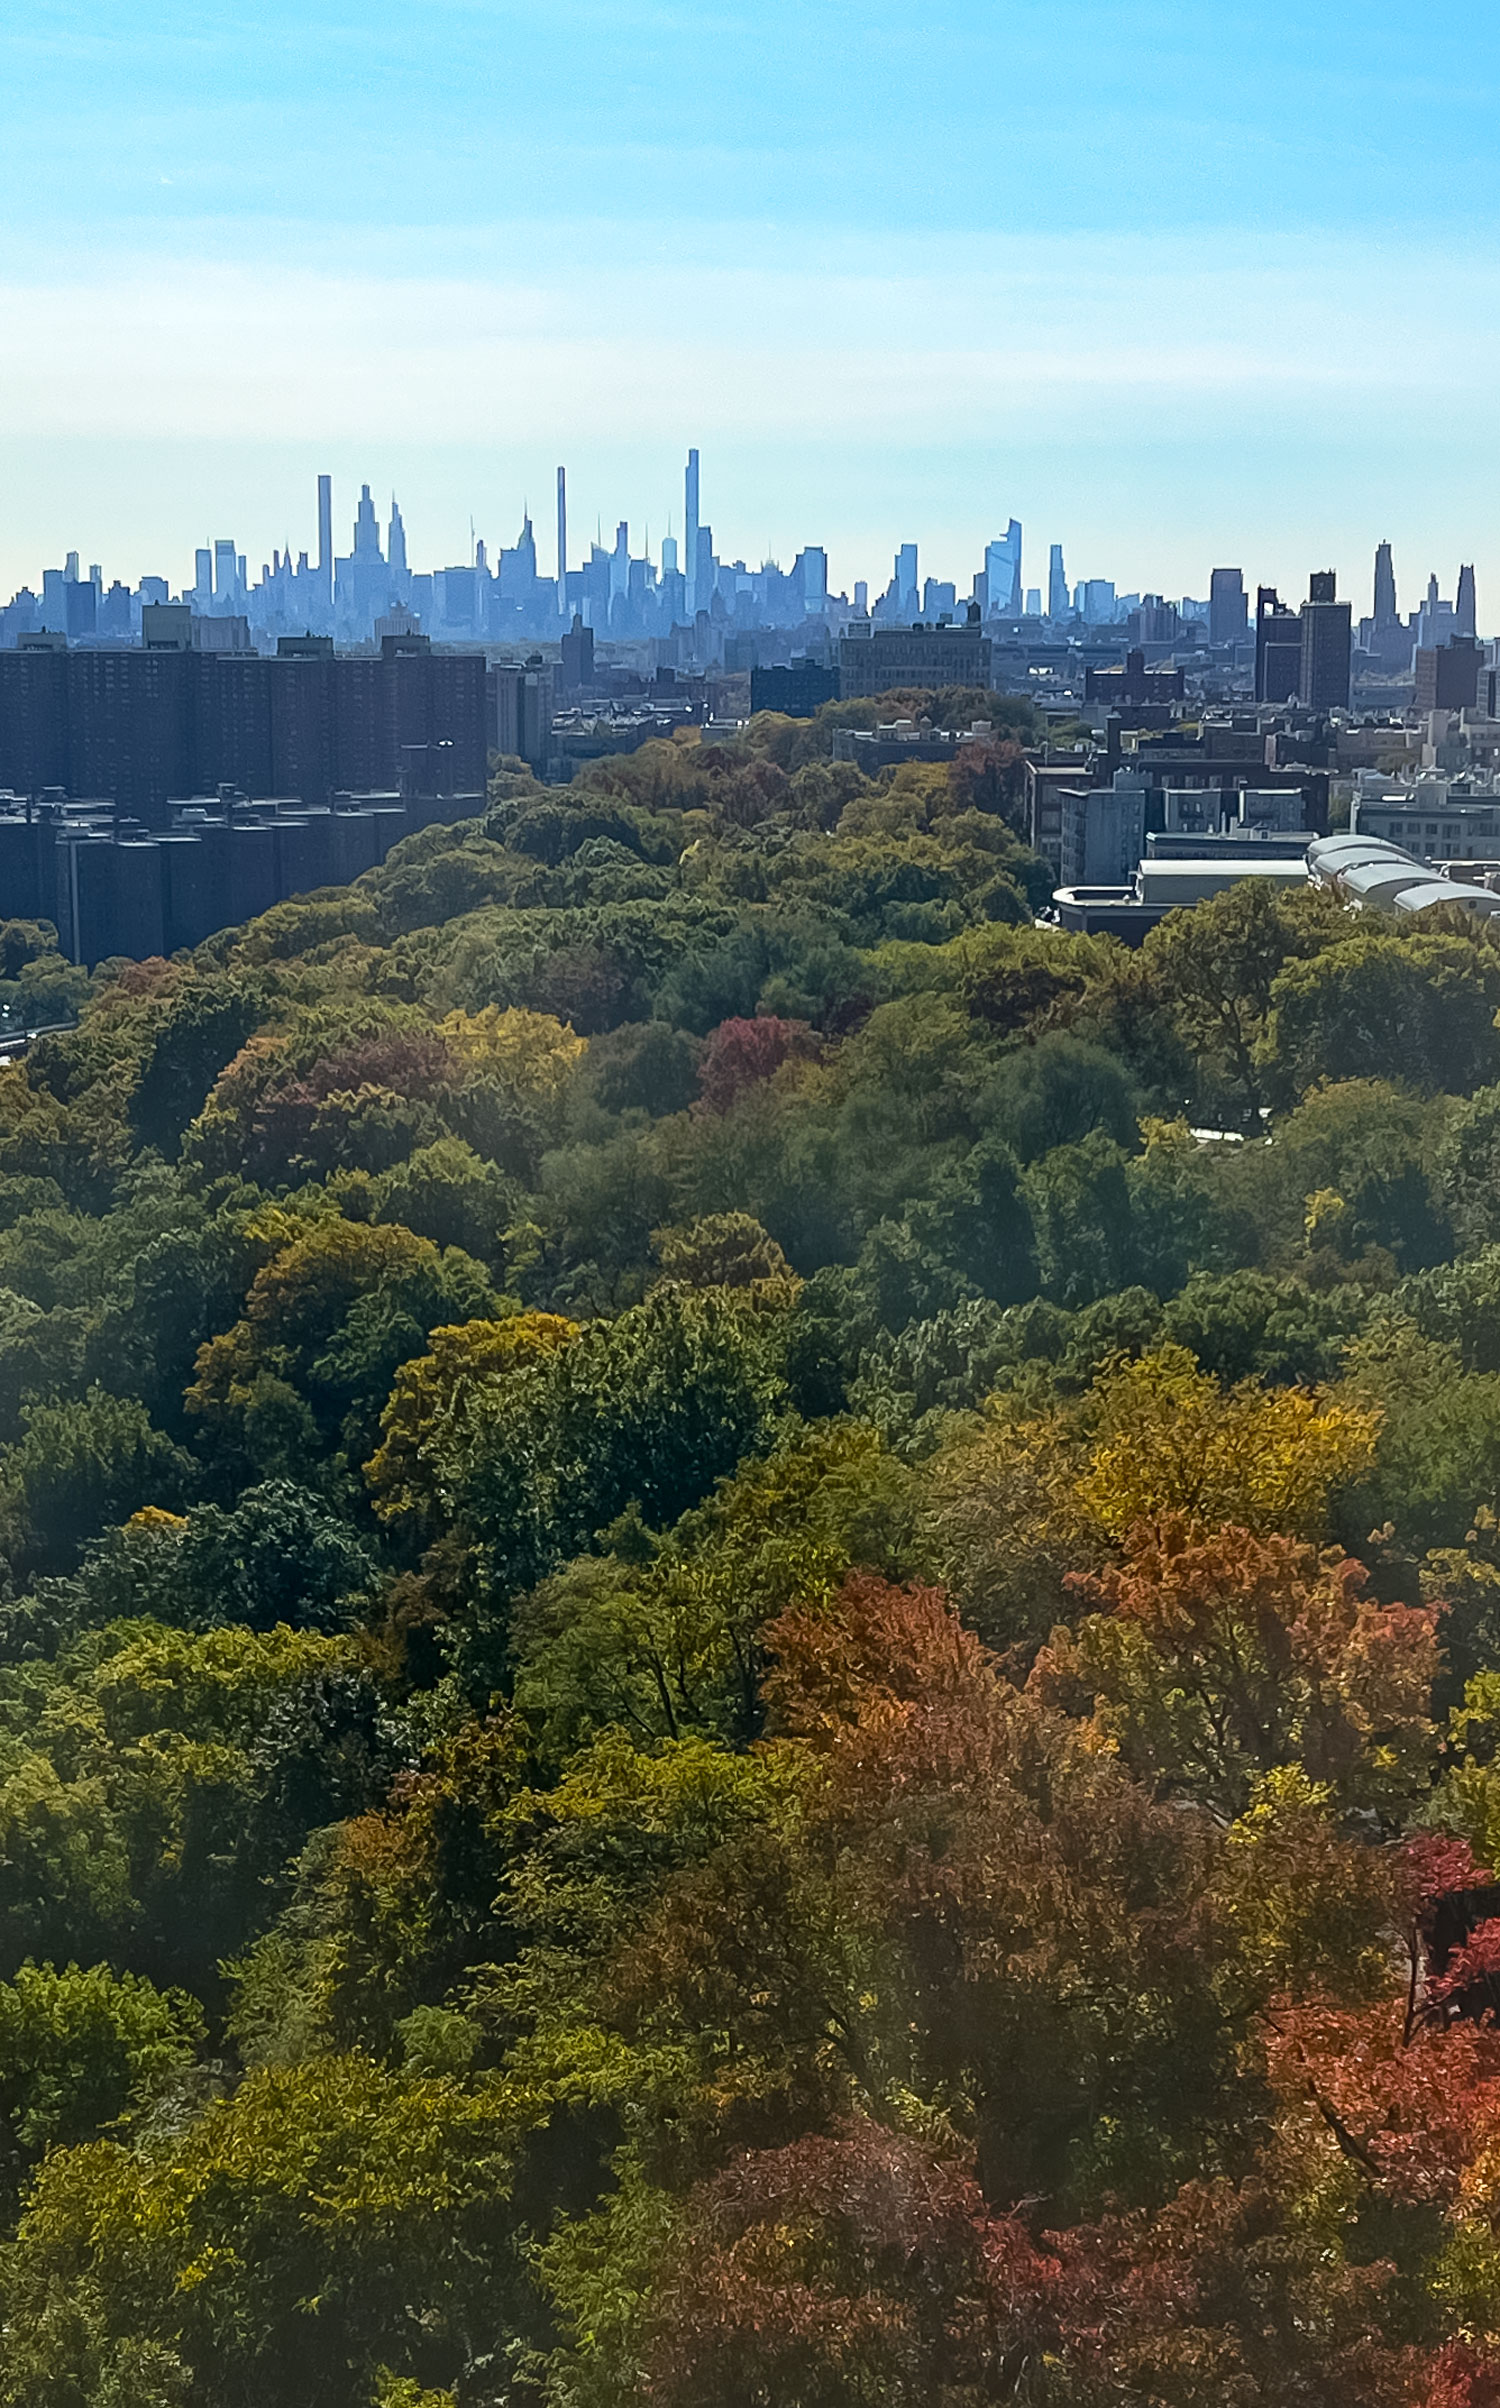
(325, 538)
(1466, 616)
(396, 541)
(562, 542)
(1385, 588)
(1057, 585)
(1002, 570)
(690, 538)
(366, 528)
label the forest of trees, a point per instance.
(750, 1629)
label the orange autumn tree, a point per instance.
(1215, 1658)
(1036, 1913)
(853, 2270)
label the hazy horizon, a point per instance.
(1172, 293)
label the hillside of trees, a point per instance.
(750, 1629)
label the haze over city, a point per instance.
(1170, 289)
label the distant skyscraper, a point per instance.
(705, 574)
(1033, 601)
(203, 571)
(1466, 615)
(1385, 588)
(811, 568)
(619, 562)
(562, 540)
(1228, 608)
(226, 570)
(690, 536)
(366, 528)
(1002, 569)
(904, 582)
(1327, 643)
(395, 550)
(325, 537)
(1057, 584)
(1278, 647)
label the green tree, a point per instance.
(1056, 1092)
(1469, 1169)
(666, 1639)
(1418, 1010)
(323, 2227)
(646, 1411)
(79, 2048)
(1217, 965)
(77, 1469)
(330, 1319)
(203, 1027)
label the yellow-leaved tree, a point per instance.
(421, 1429)
(530, 1052)
(1168, 1439)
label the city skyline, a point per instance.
(1007, 575)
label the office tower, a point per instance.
(396, 544)
(1385, 588)
(1466, 616)
(1002, 570)
(668, 557)
(325, 537)
(203, 572)
(1033, 602)
(904, 582)
(1447, 675)
(1327, 646)
(1278, 647)
(705, 571)
(1228, 607)
(366, 528)
(1057, 584)
(1436, 620)
(811, 570)
(562, 540)
(226, 570)
(861, 598)
(81, 606)
(695, 600)
(577, 670)
(619, 562)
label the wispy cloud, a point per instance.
(1012, 333)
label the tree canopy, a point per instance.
(750, 1629)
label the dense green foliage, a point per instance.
(746, 1615)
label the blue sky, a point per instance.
(1174, 283)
